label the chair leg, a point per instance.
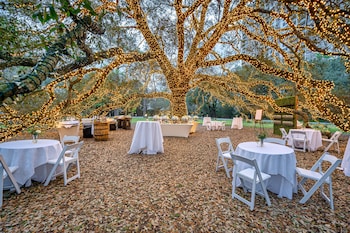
(218, 163)
(50, 176)
(227, 170)
(329, 198)
(252, 199)
(1, 185)
(78, 169)
(77, 175)
(266, 195)
(65, 174)
(338, 150)
(309, 193)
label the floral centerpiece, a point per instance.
(184, 119)
(262, 136)
(156, 118)
(35, 133)
(175, 119)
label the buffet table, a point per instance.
(147, 138)
(276, 160)
(31, 158)
(176, 130)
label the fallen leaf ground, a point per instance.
(178, 191)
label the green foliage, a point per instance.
(45, 13)
(332, 69)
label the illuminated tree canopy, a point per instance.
(70, 55)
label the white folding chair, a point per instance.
(222, 126)
(224, 149)
(333, 141)
(64, 161)
(7, 171)
(275, 140)
(209, 126)
(249, 176)
(300, 142)
(206, 121)
(69, 139)
(284, 134)
(319, 177)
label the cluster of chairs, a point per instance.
(300, 141)
(320, 173)
(68, 157)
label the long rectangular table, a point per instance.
(176, 130)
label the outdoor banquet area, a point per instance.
(178, 190)
(175, 116)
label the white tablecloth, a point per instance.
(176, 130)
(31, 158)
(314, 137)
(277, 160)
(237, 123)
(214, 125)
(345, 164)
(206, 121)
(148, 138)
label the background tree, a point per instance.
(187, 44)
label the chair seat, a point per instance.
(67, 160)
(310, 174)
(227, 155)
(248, 173)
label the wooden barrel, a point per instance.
(101, 130)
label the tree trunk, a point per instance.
(178, 103)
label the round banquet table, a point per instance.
(31, 158)
(147, 138)
(314, 137)
(276, 160)
(237, 123)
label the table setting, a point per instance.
(147, 138)
(276, 160)
(30, 157)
